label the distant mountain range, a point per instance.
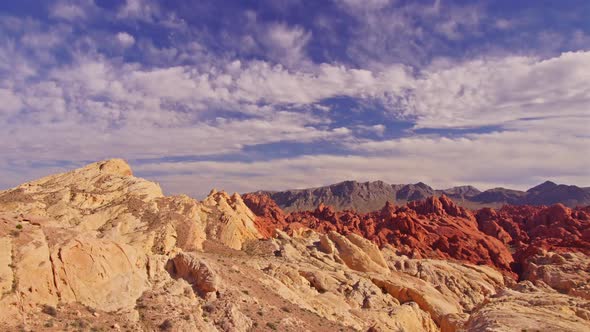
(370, 196)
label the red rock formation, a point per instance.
(438, 228)
(528, 230)
(555, 228)
(435, 227)
(268, 214)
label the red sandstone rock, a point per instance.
(556, 227)
(438, 228)
(268, 214)
(435, 227)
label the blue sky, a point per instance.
(269, 94)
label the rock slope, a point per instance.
(98, 249)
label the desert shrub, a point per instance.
(50, 310)
(166, 325)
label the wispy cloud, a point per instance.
(68, 10)
(144, 80)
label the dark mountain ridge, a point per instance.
(370, 196)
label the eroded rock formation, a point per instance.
(97, 249)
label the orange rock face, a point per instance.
(435, 228)
(528, 229)
(556, 227)
(438, 228)
(268, 214)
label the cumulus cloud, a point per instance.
(492, 92)
(125, 39)
(184, 99)
(139, 9)
(286, 43)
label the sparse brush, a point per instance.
(49, 310)
(166, 325)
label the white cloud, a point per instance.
(408, 32)
(486, 161)
(493, 92)
(95, 108)
(11, 104)
(378, 129)
(365, 4)
(503, 24)
(139, 9)
(125, 39)
(67, 10)
(286, 44)
(260, 81)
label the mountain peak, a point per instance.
(115, 166)
(422, 185)
(543, 186)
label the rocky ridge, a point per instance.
(365, 197)
(99, 249)
(438, 228)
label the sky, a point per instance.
(280, 94)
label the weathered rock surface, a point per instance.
(97, 249)
(465, 284)
(228, 220)
(268, 215)
(568, 273)
(87, 236)
(434, 228)
(194, 271)
(555, 227)
(534, 310)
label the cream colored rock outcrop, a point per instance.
(364, 258)
(567, 273)
(86, 236)
(531, 311)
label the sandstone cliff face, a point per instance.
(97, 248)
